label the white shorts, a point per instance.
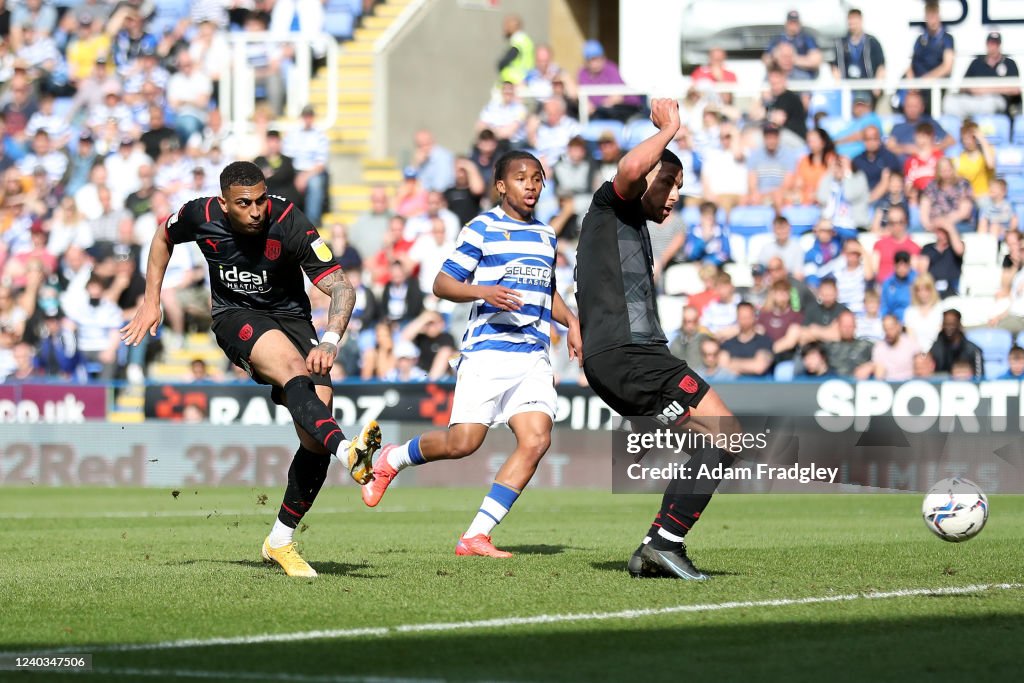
(492, 386)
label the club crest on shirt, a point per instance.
(273, 249)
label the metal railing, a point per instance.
(754, 89)
(238, 83)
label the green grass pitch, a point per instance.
(90, 569)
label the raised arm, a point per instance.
(633, 168)
(147, 318)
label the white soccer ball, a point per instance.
(955, 509)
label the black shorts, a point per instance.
(645, 380)
(237, 330)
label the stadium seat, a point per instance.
(914, 219)
(834, 124)
(755, 244)
(1020, 339)
(738, 249)
(339, 23)
(592, 131)
(980, 249)
(670, 311)
(691, 216)
(1018, 129)
(802, 218)
(751, 220)
(953, 151)
(995, 128)
(1010, 160)
(683, 278)
(828, 101)
(923, 238)
(806, 241)
(784, 371)
(353, 7)
(889, 121)
(740, 274)
(979, 280)
(975, 311)
(636, 132)
(1015, 188)
(951, 124)
(994, 343)
(867, 241)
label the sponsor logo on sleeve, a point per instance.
(322, 251)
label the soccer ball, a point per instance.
(955, 510)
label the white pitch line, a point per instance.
(437, 627)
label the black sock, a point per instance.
(305, 477)
(686, 499)
(310, 413)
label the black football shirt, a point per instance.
(259, 272)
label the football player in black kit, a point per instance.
(628, 362)
(257, 247)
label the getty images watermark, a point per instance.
(811, 455)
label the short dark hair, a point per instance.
(501, 167)
(746, 304)
(243, 173)
(1015, 351)
(924, 128)
(669, 157)
(708, 207)
(953, 312)
(854, 13)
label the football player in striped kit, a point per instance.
(504, 264)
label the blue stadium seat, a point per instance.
(951, 124)
(339, 24)
(994, 344)
(802, 218)
(915, 218)
(691, 215)
(784, 371)
(889, 121)
(834, 124)
(1018, 129)
(353, 7)
(1020, 339)
(1015, 189)
(1010, 160)
(592, 131)
(751, 220)
(636, 132)
(953, 151)
(995, 127)
(828, 101)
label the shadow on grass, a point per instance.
(537, 549)
(620, 566)
(356, 571)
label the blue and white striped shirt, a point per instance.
(494, 249)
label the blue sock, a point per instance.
(496, 505)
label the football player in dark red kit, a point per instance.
(257, 247)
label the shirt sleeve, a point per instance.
(468, 252)
(181, 226)
(313, 254)
(877, 54)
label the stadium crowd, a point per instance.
(806, 244)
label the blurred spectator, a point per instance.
(540, 79)
(849, 356)
(869, 320)
(1012, 318)
(423, 223)
(719, 315)
(859, 55)
(691, 107)
(748, 354)
(996, 215)
(947, 200)
(98, 321)
(463, 198)
(814, 362)
(850, 140)
(711, 366)
(962, 371)
(36, 259)
(435, 347)
(13, 311)
(140, 201)
(708, 241)
(769, 171)
(125, 165)
(779, 322)
(188, 93)
(895, 196)
(708, 275)
(406, 367)
(265, 60)
(402, 298)
(667, 242)
(366, 233)
(80, 164)
(852, 272)
(41, 61)
(344, 253)
(919, 169)
(781, 106)
(518, 59)
(924, 366)
(808, 55)
(184, 288)
(977, 160)
(610, 154)
(88, 44)
(1012, 261)
(944, 259)
(715, 72)
(934, 50)
(110, 120)
(104, 227)
(893, 357)
(393, 248)
(379, 359)
(43, 155)
(903, 139)
(785, 247)
(686, 343)
(724, 174)
(826, 248)
(993, 64)
(429, 252)
(279, 169)
(8, 340)
(484, 155)
(822, 314)
(952, 346)
(93, 91)
(1015, 363)
(53, 123)
(149, 70)
(18, 105)
(435, 165)
(39, 15)
(812, 166)
(298, 19)
(896, 287)
(877, 163)
(307, 146)
(506, 116)
(897, 240)
(210, 51)
(599, 70)
(843, 196)
(58, 355)
(74, 269)
(67, 228)
(130, 38)
(549, 134)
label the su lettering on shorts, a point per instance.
(674, 413)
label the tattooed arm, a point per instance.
(343, 299)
